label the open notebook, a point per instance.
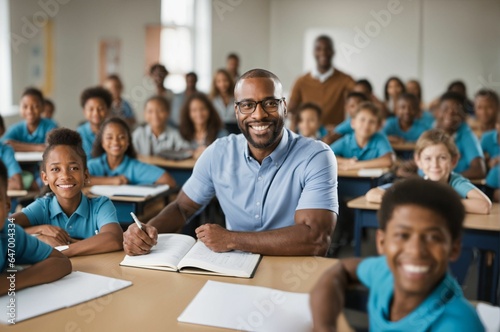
(182, 253)
(128, 190)
(71, 290)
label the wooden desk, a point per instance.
(157, 298)
(351, 184)
(180, 170)
(404, 150)
(17, 193)
(481, 232)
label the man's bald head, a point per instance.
(261, 73)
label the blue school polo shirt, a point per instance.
(489, 143)
(7, 156)
(493, 177)
(468, 146)
(392, 128)
(19, 132)
(427, 119)
(135, 171)
(90, 215)
(301, 173)
(344, 127)
(28, 249)
(347, 147)
(88, 138)
(445, 309)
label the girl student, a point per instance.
(115, 160)
(436, 155)
(65, 216)
(393, 88)
(222, 96)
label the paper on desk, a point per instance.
(370, 172)
(71, 290)
(28, 156)
(248, 308)
(128, 190)
(490, 316)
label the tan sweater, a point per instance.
(329, 95)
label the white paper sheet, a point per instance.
(71, 290)
(128, 190)
(370, 172)
(28, 156)
(490, 316)
(248, 308)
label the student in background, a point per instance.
(95, 103)
(486, 109)
(459, 87)
(156, 135)
(115, 160)
(404, 127)
(48, 109)
(410, 288)
(179, 98)
(393, 89)
(450, 117)
(66, 216)
(436, 155)
(159, 73)
(200, 123)
(308, 121)
(413, 87)
(365, 87)
(29, 134)
(233, 66)
(490, 143)
(13, 169)
(119, 107)
(222, 96)
(365, 147)
(47, 264)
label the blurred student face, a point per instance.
(158, 75)
(308, 123)
(114, 88)
(64, 172)
(361, 88)
(365, 124)
(222, 83)
(418, 247)
(48, 111)
(413, 88)
(449, 116)
(486, 110)
(232, 65)
(31, 109)
(155, 114)
(191, 83)
(436, 162)
(198, 113)
(405, 111)
(394, 88)
(323, 53)
(351, 105)
(95, 111)
(115, 140)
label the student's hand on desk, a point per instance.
(139, 242)
(348, 164)
(59, 234)
(214, 237)
(50, 240)
(120, 179)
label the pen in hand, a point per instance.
(137, 222)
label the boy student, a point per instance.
(119, 107)
(404, 127)
(47, 264)
(486, 109)
(7, 157)
(365, 147)
(29, 135)
(450, 117)
(420, 225)
(308, 121)
(96, 102)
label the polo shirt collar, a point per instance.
(149, 133)
(81, 210)
(322, 77)
(119, 169)
(279, 153)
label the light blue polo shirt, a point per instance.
(135, 171)
(88, 138)
(7, 156)
(489, 143)
(19, 132)
(347, 147)
(468, 146)
(90, 215)
(301, 173)
(344, 127)
(445, 309)
(392, 128)
(493, 177)
(427, 119)
(28, 249)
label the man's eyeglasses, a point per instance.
(249, 106)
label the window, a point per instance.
(6, 107)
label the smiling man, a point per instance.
(278, 190)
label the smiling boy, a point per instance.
(410, 289)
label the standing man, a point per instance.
(278, 190)
(324, 85)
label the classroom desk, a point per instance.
(157, 298)
(180, 170)
(404, 150)
(480, 231)
(351, 184)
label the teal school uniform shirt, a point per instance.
(89, 217)
(135, 171)
(28, 249)
(9, 160)
(392, 128)
(489, 143)
(445, 309)
(88, 138)
(493, 177)
(469, 147)
(19, 132)
(427, 119)
(344, 127)
(347, 147)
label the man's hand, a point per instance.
(139, 242)
(214, 237)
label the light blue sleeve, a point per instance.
(339, 147)
(462, 317)
(10, 161)
(13, 132)
(95, 167)
(493, 177)
(462, 185)
(383, 145)
(344, 127)
(38, 211)
(389, 127)
(370, 269)
(104, 211)
(29, 250)
(144, 173)
(472, 147)
(200, 187)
